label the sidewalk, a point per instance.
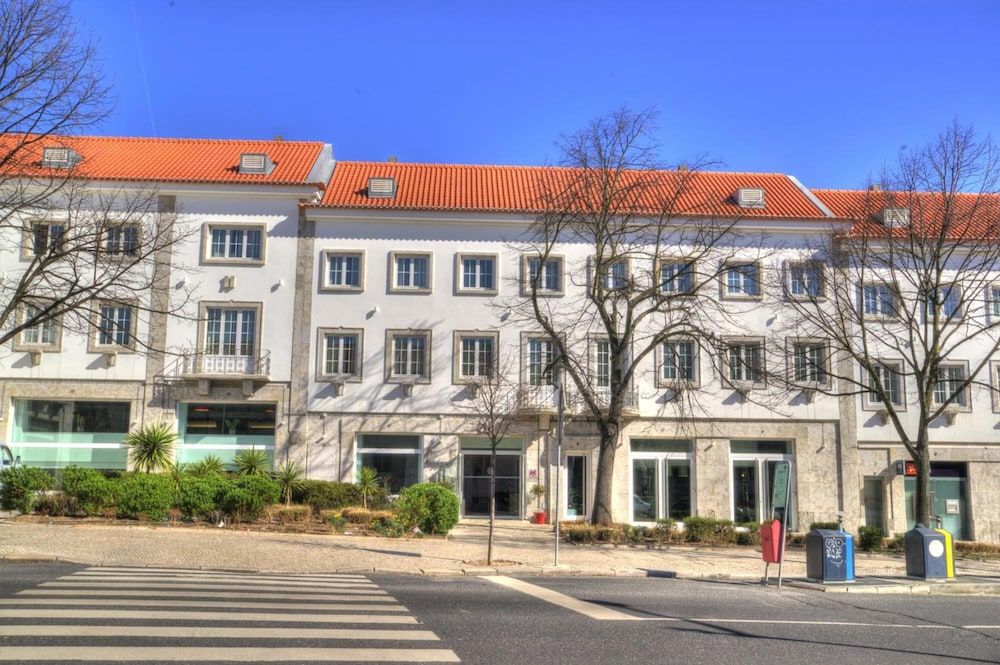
(520, 549)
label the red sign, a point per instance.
(770, 541)
(909, 468)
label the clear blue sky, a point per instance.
(825, 90)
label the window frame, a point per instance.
(623, 260)
(18, 345)
(526, 274)
(322, 376)
(663, 382)
(205, 305)
(526, 338)
(108, 255)
(962, 306)
(94, 346)
(896, 301)
(790, 344)
(867, 404)
(459, 379)
(390, 353)
(966, 392)
(28, 235)
(462, 290)
(994, 367)
(393, 274)
(360, 450)
(663, 261)
(790, 266)
(324, 266)
(206, 244)
(728, 265)
(742, 384)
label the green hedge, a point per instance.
(428, 506)
(91, 491)
(871, 539)
(145, 495)
(20, 486)
(708, 530)
(246, 498)
(199, 495)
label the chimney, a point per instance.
(392, 159)
(875, 187)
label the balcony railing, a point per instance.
(200, 364)
(545, 399)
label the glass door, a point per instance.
(576, 486)
(476, 485)
(745, 491)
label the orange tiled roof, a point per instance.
(452, 187)
(971, 216)
(175, 160)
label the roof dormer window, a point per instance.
(750, 197)
(895, 218)
(59, 158)
(381, 188)
(255, 162)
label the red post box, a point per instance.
(770, 541)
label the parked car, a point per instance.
(7, 458)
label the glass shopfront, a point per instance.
(476, 459)
(56, 433)
(753, 471)
(225, 429)
(661, 479)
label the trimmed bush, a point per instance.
(751, 535)
(323, 495)
(387, 526)
(833, 526)
(147, 496)
(429, 507)
(56, 505)
(709, 531)
(199, 496)
(246, 499)
(283, 514)
(363, 516)
(91, 489)
(871, 539)
(20, 485)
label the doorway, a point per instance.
(476, 484)
(949, 489)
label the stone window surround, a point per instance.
(203, 307)
(787, 280)
(955, 406)
(321, 375)
(206, 244)
(324, 271)
(390, 335)
(543, 293)
(724, 277)
(670, 259)
(592, 269)
(402, 290)
(19, 346)
(994, 369)
(724, 361)
(528, 336)
(897, 300)
(867, 405)
(456, 365)
(460, 290)
(28, 234)
(696, 362)
(790, 343)
(95, 315)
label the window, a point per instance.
(805, 280)
(411, 272)
(661, 479)
(230, 331)
(947, 302)
(745, 362)
(341, 353)
(995, 301)
(602, 351)
(809, 362)
(888, 373)
(46, 237)
(409, 356)
(742, 280)
(121, 240)
(949, 384)
(677, 362)
(114, 325)
(40, 333)
(343, 271)
(477, 274)
(754, 466)
(41, 421)
(614, 275)
(396, 458)
(676, 277)
(237, 243)
(476, 361)
(879, 300)
(540, 355)
(215, 419)
(547, 274)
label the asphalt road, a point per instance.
(62, 613)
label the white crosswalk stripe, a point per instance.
(164, 615)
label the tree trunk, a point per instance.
(603, 494)
(923, 509)
(493, 505)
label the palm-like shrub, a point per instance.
(151, 447)
(368, 484)
(289, 477)
(251, 463)
(210, 465)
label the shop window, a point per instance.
(753, 471)
(395, 457)
(37, 419)
(230, 419)
(661, 479)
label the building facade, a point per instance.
(339, 310)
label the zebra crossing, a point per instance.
(175, 615)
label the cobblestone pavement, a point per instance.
(521, 548)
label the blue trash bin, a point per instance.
(830, 555)
(929, 553)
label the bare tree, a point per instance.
(80, 242)
(911, 291)
(494, 408)
(656, 241)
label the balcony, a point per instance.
(193, 365)
(630, 401)
(539, 399)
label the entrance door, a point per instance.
(874, 502)
(476, 485)
(576, 486)
(948, 492)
